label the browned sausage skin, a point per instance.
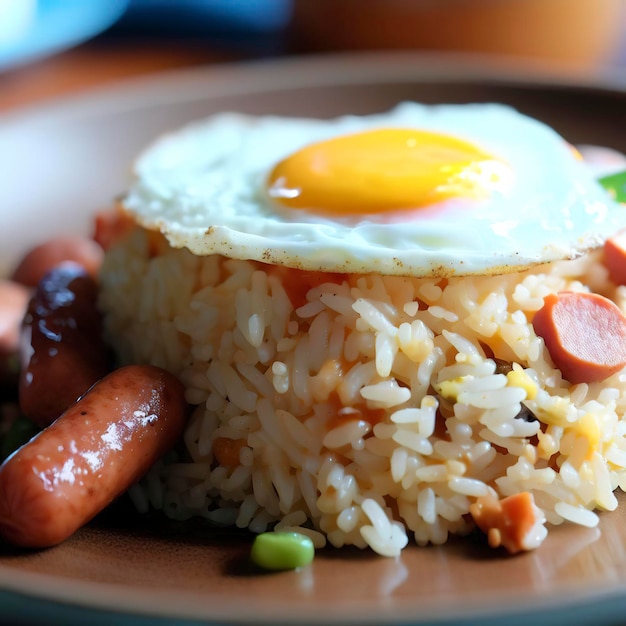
(63, 352)
(38, 261)
(94, 452)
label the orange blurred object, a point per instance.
(580, 32)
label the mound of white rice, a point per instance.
(364, 410)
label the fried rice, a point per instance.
(363, 410)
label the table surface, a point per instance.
(97, 64)
(102, 62)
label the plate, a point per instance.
(63, 161)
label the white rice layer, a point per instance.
(362, 409)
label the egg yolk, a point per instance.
(383, 170)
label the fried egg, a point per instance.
(420, 190)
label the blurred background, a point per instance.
(54, 47)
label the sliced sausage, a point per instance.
(42, 258)
(111, 225)
(615, 257)
(585, 334)
(63, 353)
(95, 451)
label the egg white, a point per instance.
(203, 187)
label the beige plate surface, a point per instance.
(62, 162)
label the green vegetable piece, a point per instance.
(282, 550)
(615, 184)
(21, 431)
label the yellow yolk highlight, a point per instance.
(383, 170)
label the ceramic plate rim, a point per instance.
(240, 78)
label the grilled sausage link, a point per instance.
(63, 353)
(38, 261)
(96, 450)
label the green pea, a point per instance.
(615, 184)
(282, 550)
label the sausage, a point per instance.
(585, 334)
(63, 352)
(615, 257)
(13, 303)
(95, 451)
(111, 225)
(44, 257)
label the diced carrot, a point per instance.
(585, 334)
(511, 522)
(615, 257)
(297, 283)
(226, 451)
(371, 416)
(343, 414)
